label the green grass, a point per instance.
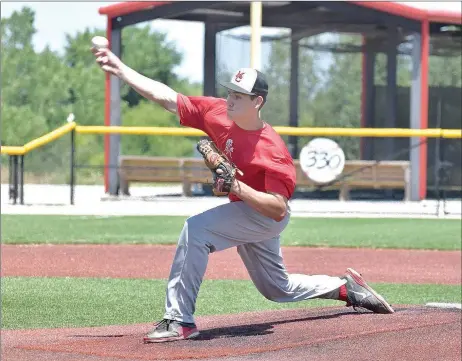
(331, 232)
(376, 233)
(79, 302)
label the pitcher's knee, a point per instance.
(195, 227)
(193, 235)
(275, 298)
(274, 292)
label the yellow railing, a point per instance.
(176, 131)
(48, 138)
(82, 129)
(297, 131)
(13, 150)
(44, 139)
(370, 132)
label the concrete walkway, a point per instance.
(91, 200)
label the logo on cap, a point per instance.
(239, 76)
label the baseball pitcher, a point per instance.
(251, 165)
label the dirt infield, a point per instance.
(413, 333)
(145, 261)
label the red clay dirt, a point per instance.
(147, 261)
(412, 333)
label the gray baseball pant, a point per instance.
(256, 237)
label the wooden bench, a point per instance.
(162, 169)
(194, 172)
(148, 169)
(357, 174)
(364, 174)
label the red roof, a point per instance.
(408, 11)
(129, 7)
(411, 12)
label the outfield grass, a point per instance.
(79, 302)
(329, 232)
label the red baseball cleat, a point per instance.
(361, 295)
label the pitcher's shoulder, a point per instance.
(273, 136)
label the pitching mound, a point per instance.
(412, 333)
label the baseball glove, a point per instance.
(223, 170)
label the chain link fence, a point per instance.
(330, 91)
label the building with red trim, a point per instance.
(316, 17)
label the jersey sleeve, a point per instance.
(192, 110)
(280, 177)
(278, 182)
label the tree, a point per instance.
(38, 81)
(338, 103)
(35, 99)
(445, 71)
(276, 110)
(149, 114)
(44, 87)
(144, 50)
(18, 29)
(77, 48)
(148, 53)
(34, 127)
(151, 55)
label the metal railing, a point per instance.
(17, 153)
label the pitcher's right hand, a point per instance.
(108, 61)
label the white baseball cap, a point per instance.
(248, 81)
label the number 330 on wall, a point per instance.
(322, 160)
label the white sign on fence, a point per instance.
(322, 160)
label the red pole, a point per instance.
(425, 53)
(363, 97)
(107, 112)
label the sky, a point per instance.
(53, 20)
(56, 19)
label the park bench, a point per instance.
(357, 174)
(186, 171)
(365, 174)
(148, 169)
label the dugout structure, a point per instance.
(388, 28)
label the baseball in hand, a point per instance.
(100, 42)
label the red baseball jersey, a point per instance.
(261, 154)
